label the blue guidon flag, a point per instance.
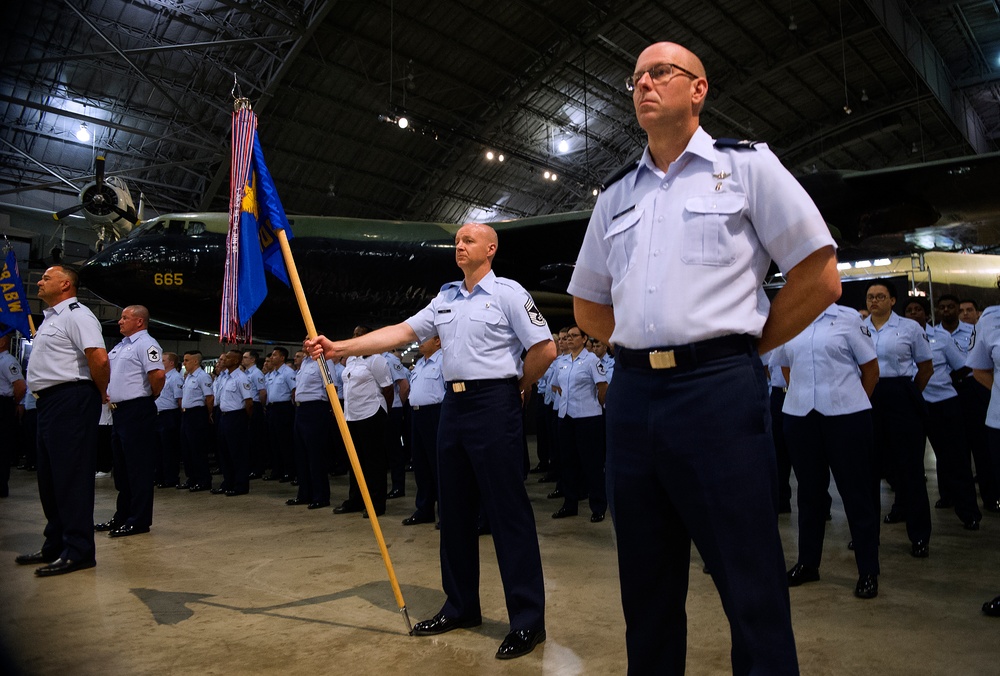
(255, 215)
(13, 302)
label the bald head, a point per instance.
(475, 245)
(671, 104)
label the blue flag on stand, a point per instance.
(255, 216)
(13, 302)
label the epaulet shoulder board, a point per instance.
(74, 306)
(619, 175)
(736, 144)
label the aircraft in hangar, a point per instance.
(926, 222)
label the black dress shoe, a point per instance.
(198, 488)
(253, 475)
(346, 508)
(992, 608)
(63, 566)
(166, 484)
(971, 524)
(186, 486)
(801, 573)
(539, 469)
(547, 478)
(555, 494)
(318, 505)
(285, 478)
(294, 482)
(920, 550)
(291, 502)
(110, 524)
(867, 587)
(126, 530)
(439, 624)
(850, 545)
(396, 493)
(943, 504)
(992, 506)
(217, 491)
(894, 517)
(519, 643)
(230, 494)
(596, 518)
(269, 477)
(416, 518)
(36, 558)
(563, 513)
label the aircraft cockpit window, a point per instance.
(149, 228)
(175, 228)
(195, 228)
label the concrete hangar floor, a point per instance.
(247, 585)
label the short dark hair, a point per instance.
(970, 302)
(919, 300)
(283, 351)
(253, 353)
(890, 287)
(196, 353)
(948, 296)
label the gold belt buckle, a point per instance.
(112, 405)
(458, 387)
(662, 360)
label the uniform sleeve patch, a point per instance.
(864, 330)
(972, 339)
(246, 386)
(601, 369)
(14, 370)
(534, 314)
(153, 353)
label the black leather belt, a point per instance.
(128, 402)
(685, 356)
(472, 385)
(168, 410)
(63, 386)
(422, 406)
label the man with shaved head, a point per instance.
(670, 274)
(485, 322)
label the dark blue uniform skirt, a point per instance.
(691, 458)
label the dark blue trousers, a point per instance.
(423, 444)
(898, 413)
(67, 460)
(196, 431)
(257, 432)
(234, 450)
(134, 461)
(781, 449)
(691, 458)
(280, 428)
(313, 427)
(395, 449)
(582, 451)
(975, 401)
(8, 423)
(819, 444)
(369, 438)
(481, 465)
(168, 443)
(954, 463)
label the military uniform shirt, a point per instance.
(985, 355)
(901, 344)
(398, 373)
(58, 352)
(682, 255)
(364, 378)
(173, 390)
(946, 357)
(256, 378)
(823, 365)
(963, 336)
(10, 373)
(777, 378)
(338, 379)
(130, 360)
(29, 401)
(609, 366)
(578, 378)
(427, 381)
(280, 384)
(197, 386)
(233, 389)
(309, 382)
(482, 331)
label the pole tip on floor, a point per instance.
(406, 619)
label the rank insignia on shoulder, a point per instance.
(735, 144)
(13, 369)
(74, 306)
(619, 175)
(925, 337)
(246, 386)
(534, 314)
(601, 369)
(972, 339)
(864, 330)
(153, 354)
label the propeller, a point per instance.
(100, 199)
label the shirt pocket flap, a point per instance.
(623, 223)
(443, 317)
(487, 315)
(722, 203)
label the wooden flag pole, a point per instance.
(352, 454)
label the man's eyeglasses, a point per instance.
(658, 73)
(880, 297)
(574, 335)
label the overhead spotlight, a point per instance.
(563, 146)
(792, 26)
(553, 176)
(843, 266)
(547, 174)
(83, 134)
(864, 94)
(862, 264)
(403, 123)
(595, 192)
(847, 110)
(489, 155)
(882, 261)
(501, 158)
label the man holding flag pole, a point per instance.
(258, 239)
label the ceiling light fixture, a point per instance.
(83, 134)
(501, 158)
(563, 146)
(489, 155)
(403, 122)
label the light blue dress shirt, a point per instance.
(309, 382)
(197, 386)
(823, 364)
(256, 378)
(771, 360)
(609, 366)
(280, 384)
(483, 332)
(578, 379)
(130, 360)
(947, 357)
(427, 381)
(10, 373)
(682, 255)
(985, 355)
(901, 344)
(173, 390)
(398, 372)
(233, 388)
(58, 351)
(963, 336)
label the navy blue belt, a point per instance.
(472, 385)
(63, 386)
(129, 402)
(424, 406)
(685, 356)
